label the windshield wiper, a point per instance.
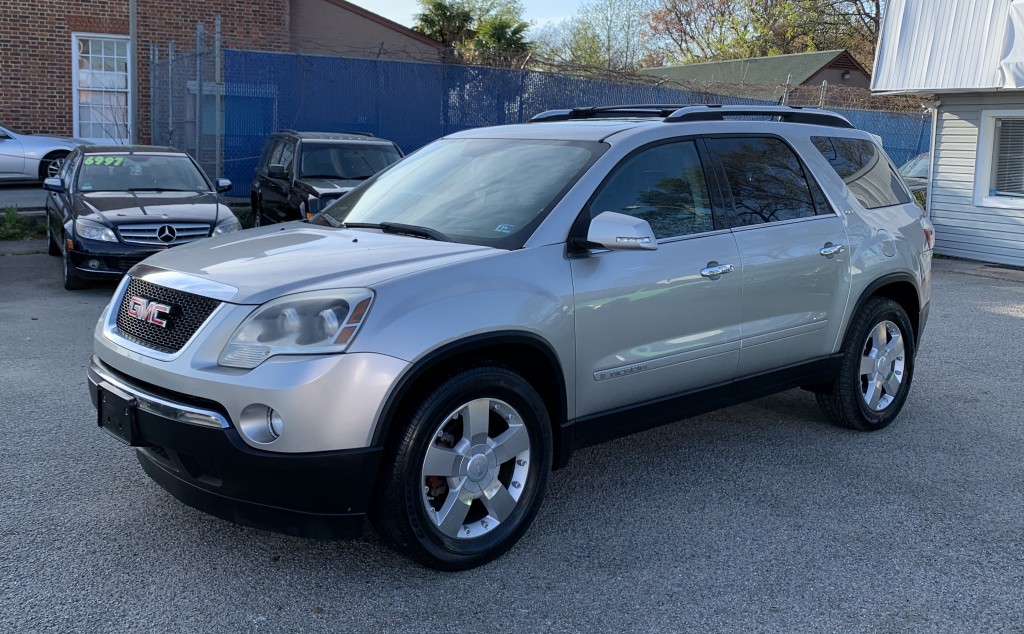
(402, 229)
(337, 176)
(159, 189)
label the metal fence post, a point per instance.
(170, 93)
(218, 114)
(200, 36)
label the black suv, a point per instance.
(297, 166)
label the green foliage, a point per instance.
(477, 31)
(14, 227)
(502, 34)
(446, 21)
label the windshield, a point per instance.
(349, 162)
(916, 167)
(140, 172)
(490, 192)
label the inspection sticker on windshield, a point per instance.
(504, 228)
(104, 160)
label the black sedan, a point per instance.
(111, 207)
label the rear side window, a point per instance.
(765, 178)
(864, 169)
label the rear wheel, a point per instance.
(876, 371)
(257, 212)
(469, 471)
(50, 166)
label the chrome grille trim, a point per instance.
(149, 233)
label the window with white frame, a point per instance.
(101, 88)
(999, 164)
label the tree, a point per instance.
(709, 30)
(476, 31)
(604, 34)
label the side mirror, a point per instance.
(223, 185)
(54, 184)
(620, 232)
(310, 207)
(277, 171)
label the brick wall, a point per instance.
(36, 56)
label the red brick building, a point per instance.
(64, 66)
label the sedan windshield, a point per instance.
(140, 172)
(348, 162)
(490, 192)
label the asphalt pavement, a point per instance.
(26, 197)
(757, 518)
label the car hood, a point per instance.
(115, 208)
(268, 262)
(323, 186)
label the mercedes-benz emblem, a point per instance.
(166, 233)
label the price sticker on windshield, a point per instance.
(104, 160)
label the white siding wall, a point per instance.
(963, 229)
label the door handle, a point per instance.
(714, 270)
(830, 250)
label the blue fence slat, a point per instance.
(413, 103)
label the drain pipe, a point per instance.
(933, 107)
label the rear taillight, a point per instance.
(929, 234)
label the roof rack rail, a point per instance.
(595, 112)
(789, 114)
(678, 113)
(360, 133)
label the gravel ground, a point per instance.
(758, 518)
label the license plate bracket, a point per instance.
(116, 414)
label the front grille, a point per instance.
(188, 313)
(169, 233)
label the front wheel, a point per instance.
(469, 471)
(876, 369)
(72, 280)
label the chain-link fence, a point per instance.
(220, 106)
(187, 106)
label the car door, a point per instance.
(12, 156)
(794, 253)
(58, 205)
(655, 323)
(274, 190)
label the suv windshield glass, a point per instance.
(350, 162)
(490, 192)
(139, 172)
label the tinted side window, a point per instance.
(268, 149)
(864, 169)
(287, 153)
(765, 178)
(275, 154)
(665, 186)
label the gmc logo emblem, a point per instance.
(149, 311)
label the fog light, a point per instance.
(260, 423)
(275, 424)
(94, 264)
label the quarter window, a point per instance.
(663, 185)
(765, 178)
(865, 170)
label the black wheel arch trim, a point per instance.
(464, 346)
(886, 280)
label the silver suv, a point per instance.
(432, 345)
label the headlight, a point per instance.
(94, 231)
(227, 227)
(317, 322)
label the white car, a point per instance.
(29, 157)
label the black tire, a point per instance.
(257, 212)
(52, 248)
(848, 401)
(439, 426)
(51, 164)
(72, 281)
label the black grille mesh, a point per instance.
(188, 312)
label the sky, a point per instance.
(539, 12)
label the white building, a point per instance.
(969, 56)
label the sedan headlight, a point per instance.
(94, 231)
(227, 227)
(317, 322)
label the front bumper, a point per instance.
(190, 449)
(109, 262)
